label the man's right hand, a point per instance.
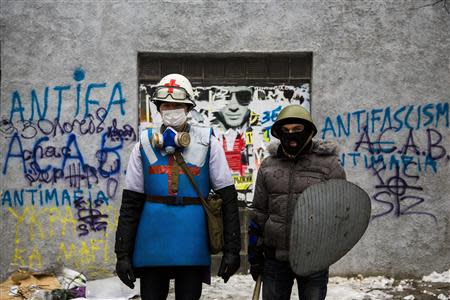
(257, 269)
(255, 250)
(125, 272)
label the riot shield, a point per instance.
(329, 219)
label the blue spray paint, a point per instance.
(35, 103)
(14, 139)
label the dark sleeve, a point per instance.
(259, 210)
(231, 224)
(130, 212)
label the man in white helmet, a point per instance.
(162, 232)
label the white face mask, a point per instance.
(174, 117)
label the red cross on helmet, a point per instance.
(174, 88)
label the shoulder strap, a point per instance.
(180, 161)
(147, 146)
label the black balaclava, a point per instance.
(302, 138)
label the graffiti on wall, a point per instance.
(64, 149)
(241, 118)
(398, 146)
(86, 253)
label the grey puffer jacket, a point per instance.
(279, 182)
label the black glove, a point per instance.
(130, 212)
(255, 250)
(257, 269)
(229, 265)
(125, 272)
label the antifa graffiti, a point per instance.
(45, 134)
(34, 143)
(65, 95)
(63, 161)
(241, 117)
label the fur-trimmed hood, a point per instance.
(319, 147)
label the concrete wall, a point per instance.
(382, 60)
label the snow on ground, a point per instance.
(437, 277)
(240, 287)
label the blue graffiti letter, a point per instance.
(60, 90)
(88, 101)
(35, 103)
(120, 101)
(72, 139)
(328, 127)
(16, 98)
(15, 137)
(103, 157)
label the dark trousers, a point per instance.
(188, 282)
(278, 280)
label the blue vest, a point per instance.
(173, 235)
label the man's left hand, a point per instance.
(229, 265)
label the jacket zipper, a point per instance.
(291, 177)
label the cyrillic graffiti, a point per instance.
(35, 170)
(91, 218)
(80, 127)
(30, 231)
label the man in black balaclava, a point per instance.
(294, 164)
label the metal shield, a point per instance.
(329, 219)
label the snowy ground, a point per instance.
(240, 287)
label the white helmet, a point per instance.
(174, 88)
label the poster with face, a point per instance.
(241, 118)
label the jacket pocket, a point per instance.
(274, 233)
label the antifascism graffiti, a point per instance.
(398, 146)
(241, 117)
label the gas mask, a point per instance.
(301, 138)
(170, 140)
